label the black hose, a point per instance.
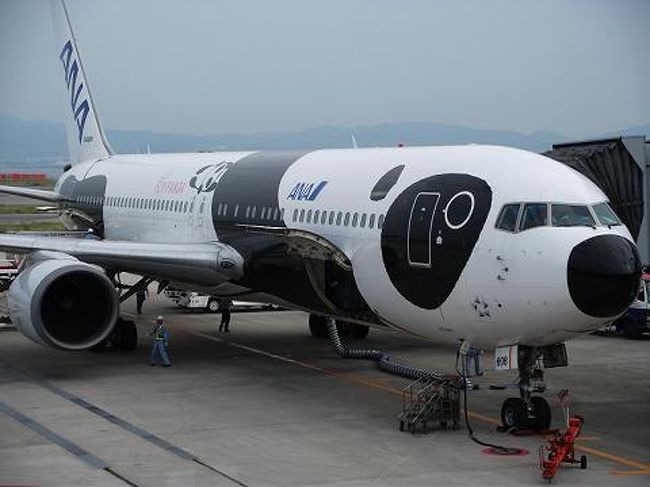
(498, 449)
(382, 358)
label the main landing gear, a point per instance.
(124, 337)
(318, 328)
(528, 412)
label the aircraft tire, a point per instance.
(514, 414)
(124, 336)
(318, 326)
(631, 330)
(359, 332)
(542, 412)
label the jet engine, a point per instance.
(61, 302)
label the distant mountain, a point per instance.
(30, 143)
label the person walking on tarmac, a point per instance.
(160, 343)
(140, 297)
(225, 306)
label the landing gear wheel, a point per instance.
(542, 413)
(583, 462)
(359, 332)
(100, 347)
(212, 306)
(124, 336)
(632, 331)
(514, 414)
(318, 326)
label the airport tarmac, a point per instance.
(269, 405)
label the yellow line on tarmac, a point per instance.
(622, 473)
(643, 468)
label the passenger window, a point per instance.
(316, 215)
(276, 214)
(185, 207)
(355, 218)
(339, 216)
(534, 215)
(309, 216)
(571, 216)
(302, 215)
(262, 213)
(508, 217)
(346, 220)
(225, 209)
(323, 217)
(371, 221)
(330, 220)
(281, 213)
(248, 212)
(236, 212)
(606, 215)
(295, 214)
(253, 211)
(219, 209)
(380, 221)
(362, 223)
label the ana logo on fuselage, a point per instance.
(207, 178)
(71, 67)
(306, 191)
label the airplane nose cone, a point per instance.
(603, 275)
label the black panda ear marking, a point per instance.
(429, 234)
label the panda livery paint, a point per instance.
(418, 239)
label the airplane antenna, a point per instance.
(354, 141)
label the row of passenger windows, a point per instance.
(516, 217)
(152, 204)
(338, 218)
(251, 212)
(140, 203)
(263, 213)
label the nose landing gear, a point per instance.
(528, 412)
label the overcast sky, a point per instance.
(575, 67)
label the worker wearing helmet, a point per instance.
(160, 343)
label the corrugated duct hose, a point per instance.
(387, 365)
(382, 358)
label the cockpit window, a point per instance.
(508, 217)
(606, 215)
(534, 215)
(571, 216)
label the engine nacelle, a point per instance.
(61, 302)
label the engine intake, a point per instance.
(61, 302)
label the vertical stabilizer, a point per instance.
(86, 140)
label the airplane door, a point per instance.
(420, 229)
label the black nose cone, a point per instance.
(603, 275)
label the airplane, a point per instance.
(491, 246)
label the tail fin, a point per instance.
(86, 140)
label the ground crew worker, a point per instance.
(140, 296)
(225, 306)
(160, 343)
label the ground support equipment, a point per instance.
(428, 401)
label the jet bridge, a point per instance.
(620, 167)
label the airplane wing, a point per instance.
(207, 263)
(37, 194)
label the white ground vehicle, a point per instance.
(196, 300)
(192, 299)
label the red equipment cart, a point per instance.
(560, 446)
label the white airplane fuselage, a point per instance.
(426, 255)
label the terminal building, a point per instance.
(620, 167)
